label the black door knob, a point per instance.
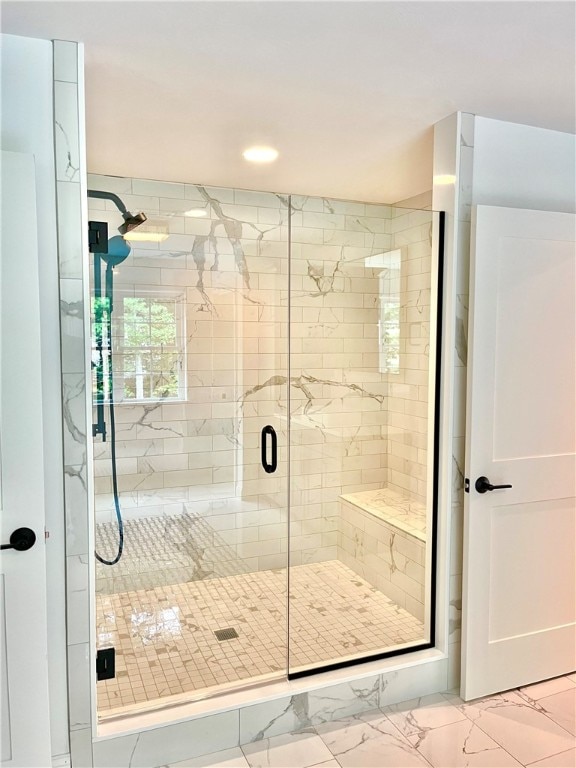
(483, 484)
(21, 539)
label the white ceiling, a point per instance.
(346, 91)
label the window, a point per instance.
(148, 349)
(389, 333)
(389, 264)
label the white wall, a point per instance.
(27, 126)
(520, 166)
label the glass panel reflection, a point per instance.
(360, 431)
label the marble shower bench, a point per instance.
(382, 538)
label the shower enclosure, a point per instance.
(274, 374)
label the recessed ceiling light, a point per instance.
(260, 154)
(196, 213)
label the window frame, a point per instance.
(119, 350)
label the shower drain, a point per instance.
(226, 634)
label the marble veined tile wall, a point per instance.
(358, 422)
(354, 426)
(408, 393)
(391, 559)
(337, 398)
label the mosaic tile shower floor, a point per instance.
(159, 551)
(165, 642)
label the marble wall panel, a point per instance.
(68, 118)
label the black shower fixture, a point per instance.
(110, 253)
(131, 220)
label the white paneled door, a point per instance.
(519, 592)
(23, 640)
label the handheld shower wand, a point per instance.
(117, 251)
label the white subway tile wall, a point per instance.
(353, 427)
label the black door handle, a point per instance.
(266, 465)
(21, 539)
(483, 484)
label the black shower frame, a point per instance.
(435, 480)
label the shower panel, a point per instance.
(273, 364)
(362, 428)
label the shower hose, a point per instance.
(112, 444)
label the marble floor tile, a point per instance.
(461, 745)
(454, 698)
(561, 707)
(563, 760)
(327, 764)
(288, 751)
(369, 740)
(418, 715)
(509, 730)
(523, 731)
(547, 688)
(228, 758)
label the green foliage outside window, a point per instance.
(146, 353)
(151, 360)
(390, 337)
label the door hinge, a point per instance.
(466, 485)
(98, 237)
(106, 664)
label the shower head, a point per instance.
(131, 221)
(155, 234)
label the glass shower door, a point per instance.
(362, 375)
(197, 602)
